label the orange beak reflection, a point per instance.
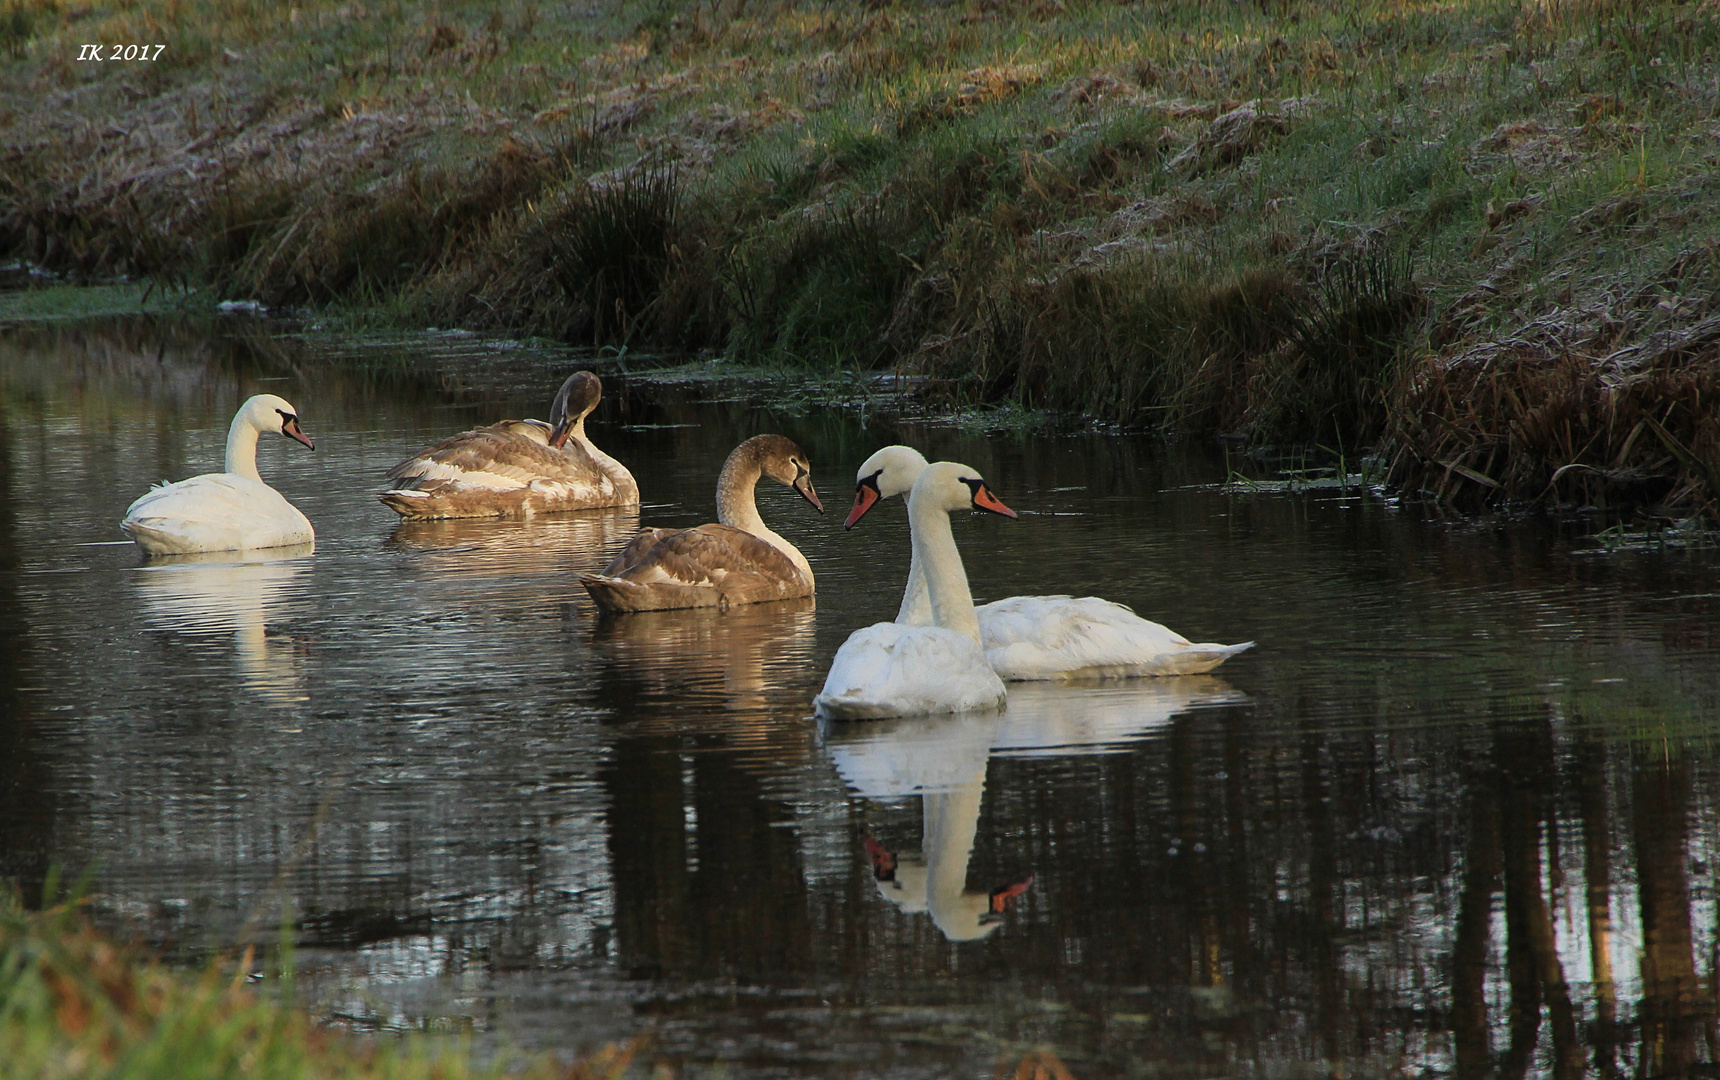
(865, 498)
(1000, 898)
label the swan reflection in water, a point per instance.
(233, 592)
(943, 761)
(511, 557)
(749, 658)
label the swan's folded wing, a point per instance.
(214, 512)
(498, 457)
(714, 555)
(1047, 637)
(636, 550)
(213, 497)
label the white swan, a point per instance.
(1042, 637)
(894, 669)
(225, 511)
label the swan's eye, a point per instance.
(869, 481)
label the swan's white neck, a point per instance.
(940, 563)
(900, 469)
(916, 609)
(737, 506)
(242, 446)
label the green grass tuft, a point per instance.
(73, 1004)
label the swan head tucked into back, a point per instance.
(266, 412)
(890, 471)
(950, 486)
(573, 403)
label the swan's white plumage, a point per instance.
(888, 669)
(1030, 638)
(1059, 637)
(215, 512)
(225, 511)
(892, 669)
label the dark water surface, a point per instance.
(1455, 814)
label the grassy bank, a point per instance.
(1478, 236)
(73, 1004)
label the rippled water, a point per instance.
(1456, 813)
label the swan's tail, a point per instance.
(155, 541)
(853, 707)
(1202, 657)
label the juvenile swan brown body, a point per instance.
(739, 560)
(516, 468)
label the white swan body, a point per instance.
(888, 669)
(894, 669)
(1030, 638)
(225, 511)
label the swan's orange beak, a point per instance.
(865, 498)
(290, 428)
(559, 435)
(985, 500)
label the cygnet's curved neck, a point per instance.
(617, 472)
(242, 446)
(940, 562)
(737, 505)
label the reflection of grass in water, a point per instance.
(1688, 532)
(71, 302)
(74, 1004)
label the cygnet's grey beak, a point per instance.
(803, 484)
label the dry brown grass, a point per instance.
(1560, 418)
(1156, 215)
